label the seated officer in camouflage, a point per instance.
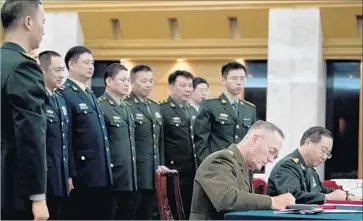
(223, 182)
(226, 119)
(295, 173)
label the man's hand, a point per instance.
(70, 184)
(336, 195)
(280, 202)
(164, 170)
(351, 197)
(40, 210)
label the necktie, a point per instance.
(88, 92)
(235, 107)
(186, 111)
(147, 107)
(123, 107)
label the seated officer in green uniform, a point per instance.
(295, 173)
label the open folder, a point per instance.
(312, 209)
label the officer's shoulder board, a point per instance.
(64, 87)
(127, 102)
(102, 99)
(152, 101)
(28, 56)
(248, 103)
(295, 160)
(163, 102)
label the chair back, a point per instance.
(162, 196)
(259, 186)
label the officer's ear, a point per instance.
(108, 81)
(28, 22)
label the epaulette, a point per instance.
(64, 86)
(151, 101)
(295, 159)
(231, 152)
(163, 102)
(102, 99)
(28, 56)
(126, 102)
(249, 103)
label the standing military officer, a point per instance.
(295, 173)
(226, 119)
(23, 121)
(121, 134)
(59, 153)
(148, 138)
(179, 135)
(91, 195)
(200, 93)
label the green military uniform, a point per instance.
(121, 135)
(224, 184)
(179, 147)
(149, 142)
(291, 174)
(219, 124)
(23, 130)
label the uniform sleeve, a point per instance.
(202, 128)
(219, 182)
(71, 164)
(287, 179)
(324, 189)
(27, 95)
(161, 144)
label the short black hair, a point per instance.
(314, 134)
(112, 70)
(74, 53)
(232, 66)
(199, 80)
(45, 58)
(138, 68)
(177, 73)
(12, 10)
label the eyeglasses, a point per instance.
(326, 152)
(272, 150)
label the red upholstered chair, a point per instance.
(332, 184)
(162, 196)
(259, 186)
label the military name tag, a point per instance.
(117, 119)
(50, 113)
(157, 115)
(176, 120)
(223, 116)
(247, 122)
(139, 116)
(83, 106)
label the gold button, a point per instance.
(154, 156)
(237, 126)
(222, 122)
(64, 146)
(155, 146)
(85, 112)
(83, 157)
(172, 162)
(236, 137)
(107, 149)
(177, 125)
(111, 165)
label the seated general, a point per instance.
(223, 181)
(295, 173)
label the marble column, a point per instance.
(296, 75)
(62, 31)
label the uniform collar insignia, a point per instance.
(75, 88)
(111, 102)
(172, 104)
(302, 167)
(223, 101)
(136, 101)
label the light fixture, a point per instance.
(180, 60)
